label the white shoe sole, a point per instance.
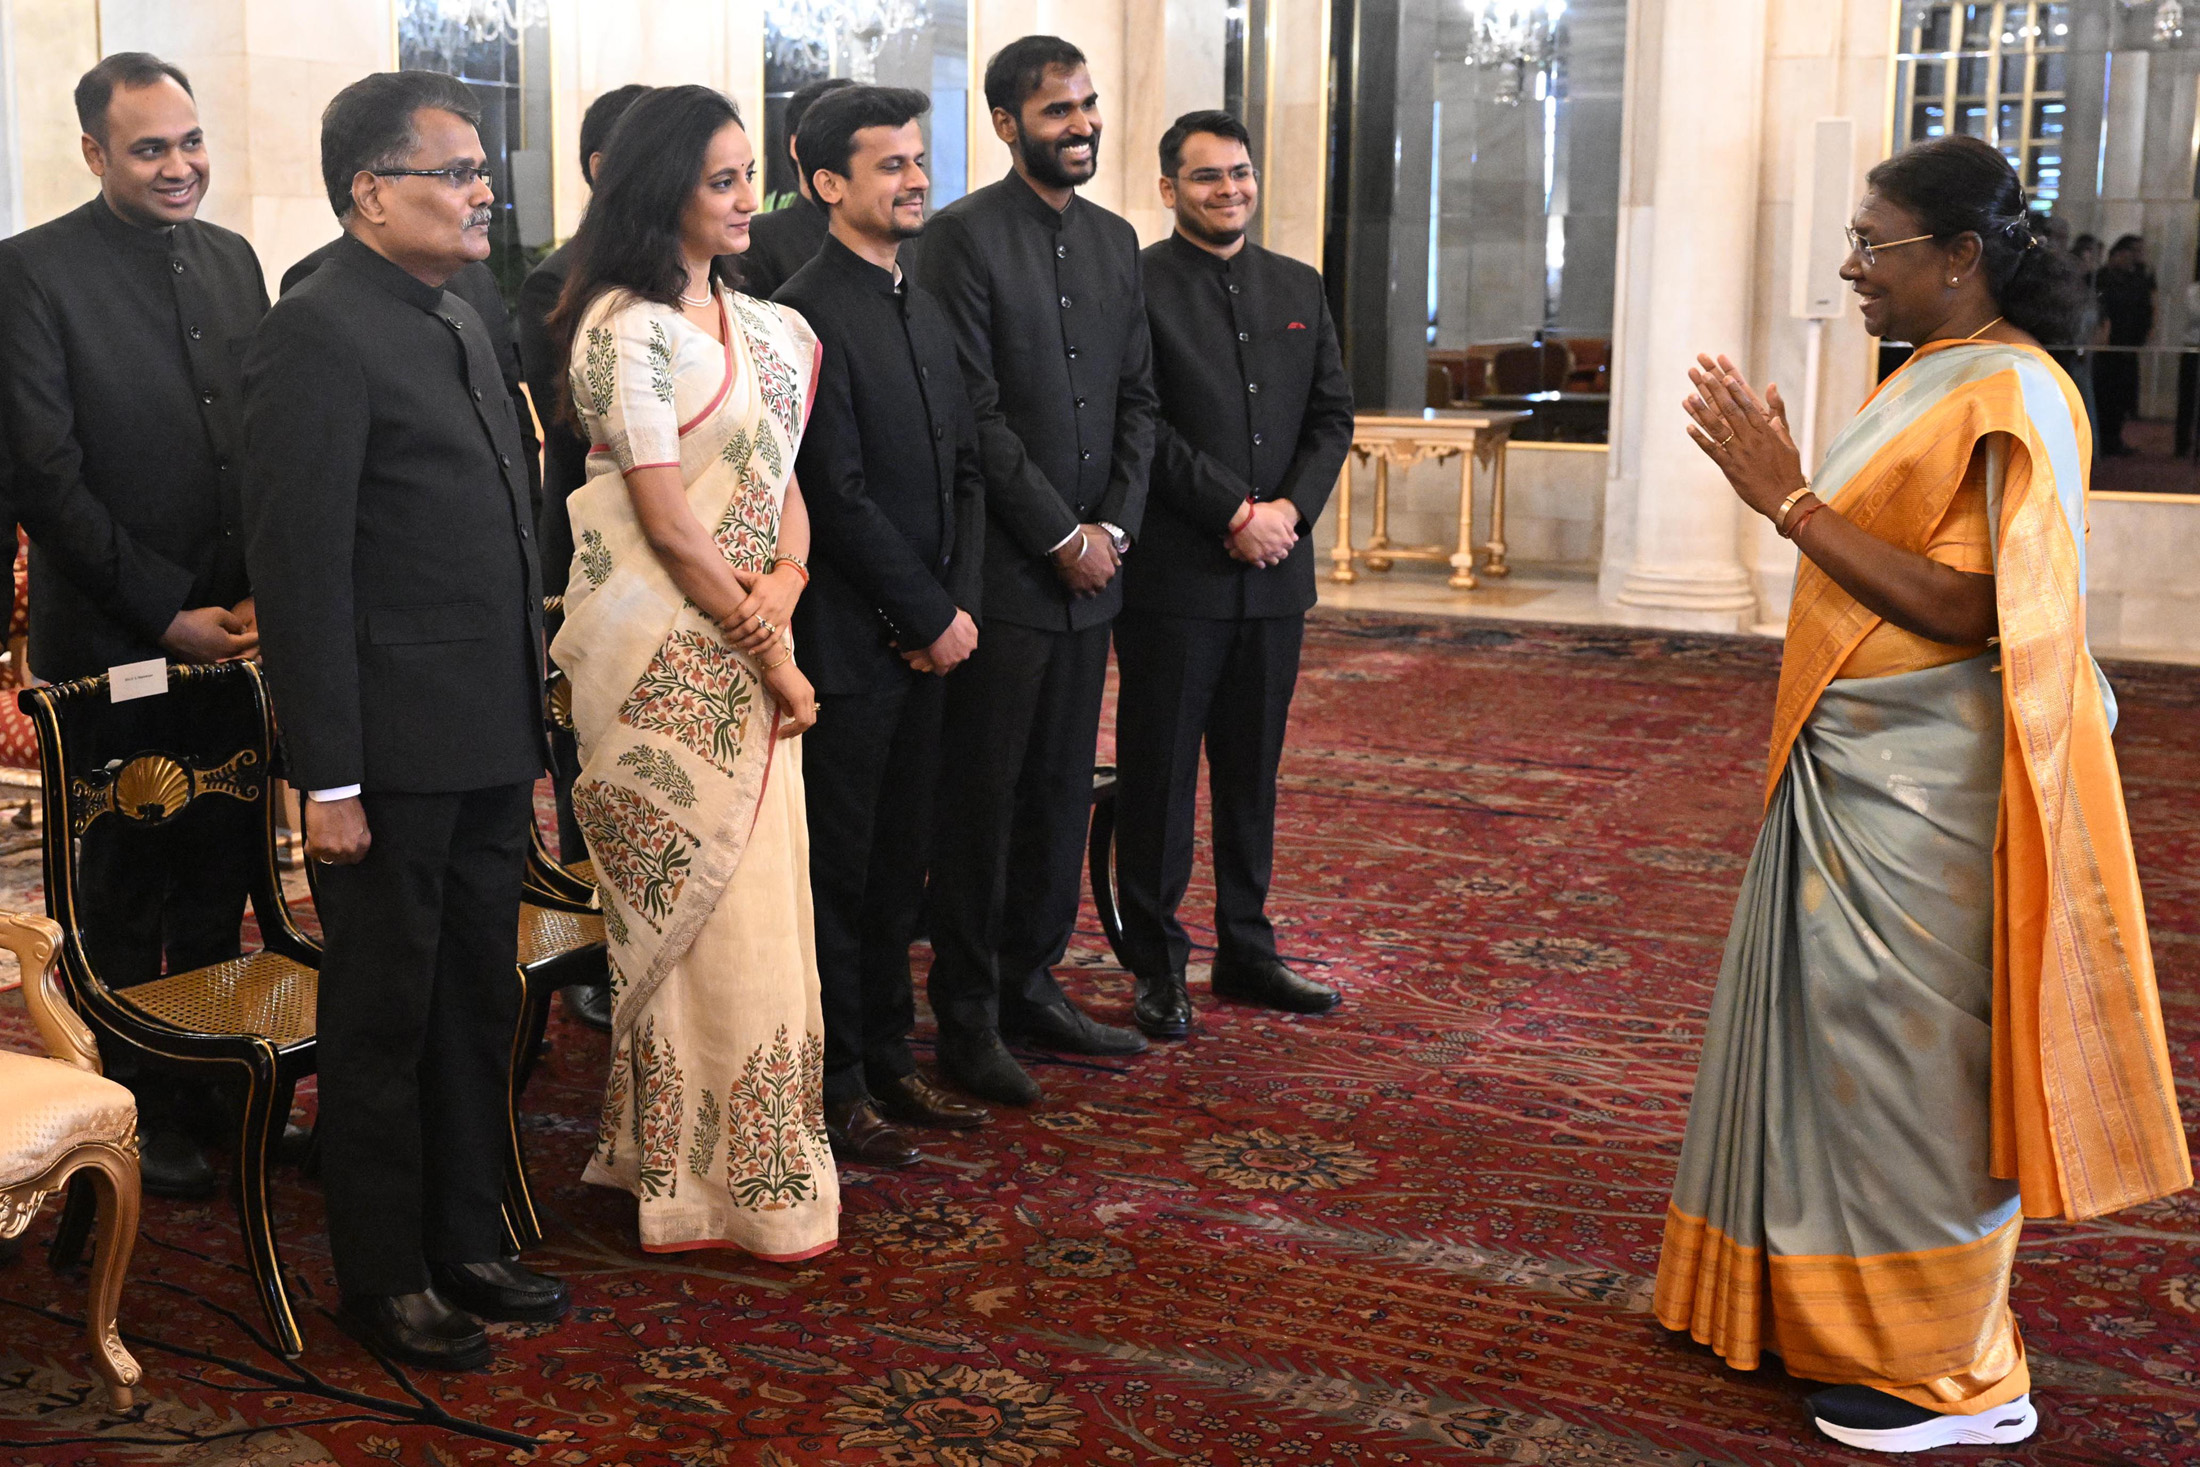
(1995, 1427)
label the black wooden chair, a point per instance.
(117, 772)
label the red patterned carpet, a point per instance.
(1421, 1230)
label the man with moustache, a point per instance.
(889, 469)
(1256, 420)
(392, 542)
(1042, 288)
(122, 329)
(783, 240)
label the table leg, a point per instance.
(1380, 538)
(1462, 561)
(1496, 565)
(1340, 553)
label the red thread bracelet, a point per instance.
(1804, 519)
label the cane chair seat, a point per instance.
(546, 933)
(260, 993)
(584, 869)
(48, 1109)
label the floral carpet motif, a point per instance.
(1419, 1230)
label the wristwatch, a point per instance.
(1117, 538)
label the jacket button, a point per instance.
(207, 395)
(1080, 402)
(1061, 252)
(504, 460)
(477, 394)
(925, 373)
(194, 333)
(938, 432)
(1073, 353)
(458, 325)
(1233, 288)
(221, 466)
(1245, 336)
(1256, 440)
(1065, 302)
(1252, 387)
(1083, 454)
(176, 265)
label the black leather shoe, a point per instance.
(1272, 985)
(502, 1290)
(417, 1329)
(980, 1064)
(1064, 1026)
(913, 1100)
(171, 1164)
(859, 1133)
(1162, 1008)
(590, 1003)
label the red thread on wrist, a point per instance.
(1804, 518)
(1242, 518)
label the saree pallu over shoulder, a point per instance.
(2084, 1107)
(676, 729)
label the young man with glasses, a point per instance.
(1255, 422)
(391, 538)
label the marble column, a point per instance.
(1689, 194)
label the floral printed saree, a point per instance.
(713, 1111)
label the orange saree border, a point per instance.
(1934, 1325)
(2084, 1108)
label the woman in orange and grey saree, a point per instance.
(1936, 1014)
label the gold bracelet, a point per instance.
(1787, 507)
(782, 662)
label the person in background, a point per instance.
(1254, 425)
(785, 239)
(890, 472)
(2188, 369)
(1042, 289)
(564, 469)
(122, 329)
(391, 537)
(2125, 285)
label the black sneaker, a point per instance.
(1858, 1416)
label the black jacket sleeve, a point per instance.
(1325, 433)
(538, 357)
(1018, 495)
(847, 526)
(966, 569)
(1194, 483)
(127, 579)
(1137, 406)
(306, 423)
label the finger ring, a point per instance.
(767, 626)
(1723, 442)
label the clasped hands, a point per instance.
(1087, 561)
(213, 633)
(1744, 434)
(1262, 532)
(758, 626)
(948, 650)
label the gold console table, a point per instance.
(1405, 439)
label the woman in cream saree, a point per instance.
(690, 793)
(1937, 1013)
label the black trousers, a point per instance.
(869, 766)
(1015, 801)
(1185, 681)
(419, 1000)
(173, 893)
(2116, 388)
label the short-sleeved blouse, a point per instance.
(643, 374)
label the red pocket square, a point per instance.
(1297, 326)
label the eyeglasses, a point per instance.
(458, 175)
(1870, 251)
(1209, 177)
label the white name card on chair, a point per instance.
(147, 679)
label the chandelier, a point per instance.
(1515, 37)
(2169, 19)
(811, 36)
(493, 20)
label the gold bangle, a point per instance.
(1787, 507)
(782, 662)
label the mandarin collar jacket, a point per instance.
(1255, 404)
(391, 537)
(890, 474)
(1050, 323)
(121, 352)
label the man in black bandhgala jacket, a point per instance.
(1256, 419)
(122, 331)
(889, 470)
(1042, 288)
(391, 542)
